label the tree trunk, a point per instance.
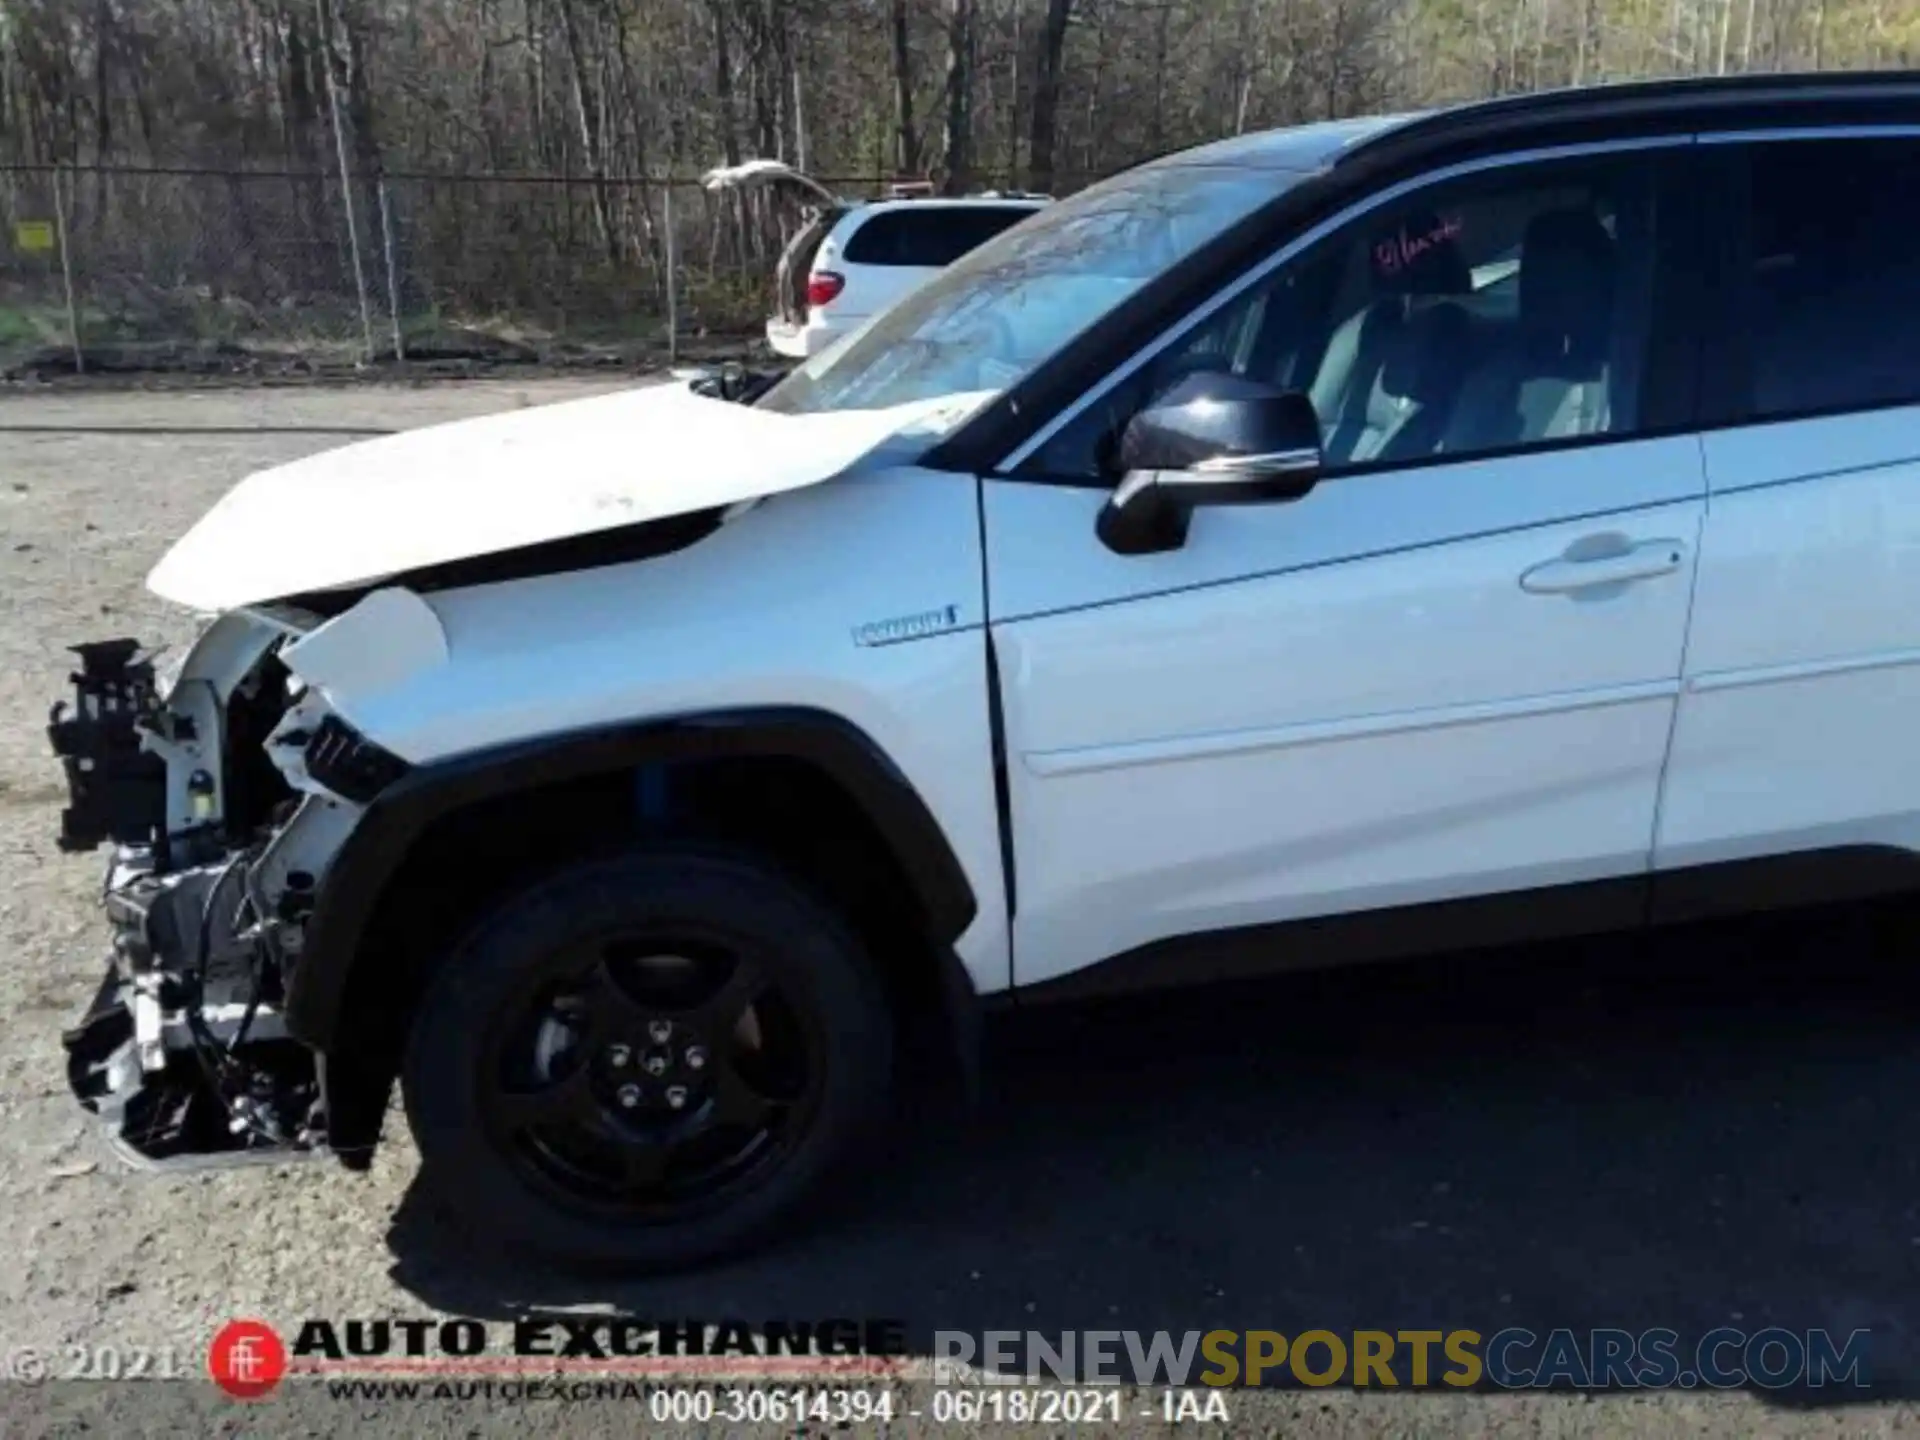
(1243, 68)
(1512, 76)
(1157, 130)
(1046, 95)
(642, 215)
(799, 122)
(1336, 57)
(1589, 56)
(1015, 51)
(723, 84)
(780, 87)
(959, 158)
(1096, 97)
(588, 116)
(102, 102)
(366, 144)
(906, 140)
(735, 207)
(484, 103)
(536, 67)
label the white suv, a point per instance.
(852, 262)
(1376, 536)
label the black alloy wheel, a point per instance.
(647, 1061)
(649, 1074)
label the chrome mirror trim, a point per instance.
(1273, 462)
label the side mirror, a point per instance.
(1209, 439)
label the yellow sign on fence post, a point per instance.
(35, 237)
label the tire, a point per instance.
(516, 1076)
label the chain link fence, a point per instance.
(105, 270)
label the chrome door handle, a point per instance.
(1600, 560)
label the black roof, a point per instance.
(1591, 111)
(1767, 101)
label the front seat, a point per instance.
(1387, 381)
(1550, 379)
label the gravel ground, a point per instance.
(1710, 1129)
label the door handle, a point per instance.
(1600, 560)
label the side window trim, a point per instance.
(1311, 236)
(1809, 132)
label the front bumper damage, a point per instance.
(116, 789)
(213, 793)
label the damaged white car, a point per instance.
(1292, 551)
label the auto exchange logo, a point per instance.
(247, 1359)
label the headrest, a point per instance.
(1421, 256)
(1430, 358)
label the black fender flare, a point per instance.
(353, 884)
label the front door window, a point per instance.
(1495, 313)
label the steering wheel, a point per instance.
(998, 341)
(1169, 372)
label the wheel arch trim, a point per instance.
(379, 845)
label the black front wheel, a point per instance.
(647, 1061)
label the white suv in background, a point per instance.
(851, 263)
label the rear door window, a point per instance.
(931, 238)
(1830, 282)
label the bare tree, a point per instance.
(959, 135)
(906, 151)
(1047, 80)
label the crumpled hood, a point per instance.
(500, 482)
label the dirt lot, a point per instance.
(1714, 1129)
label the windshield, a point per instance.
(997, 312)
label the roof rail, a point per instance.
(1688, 96)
